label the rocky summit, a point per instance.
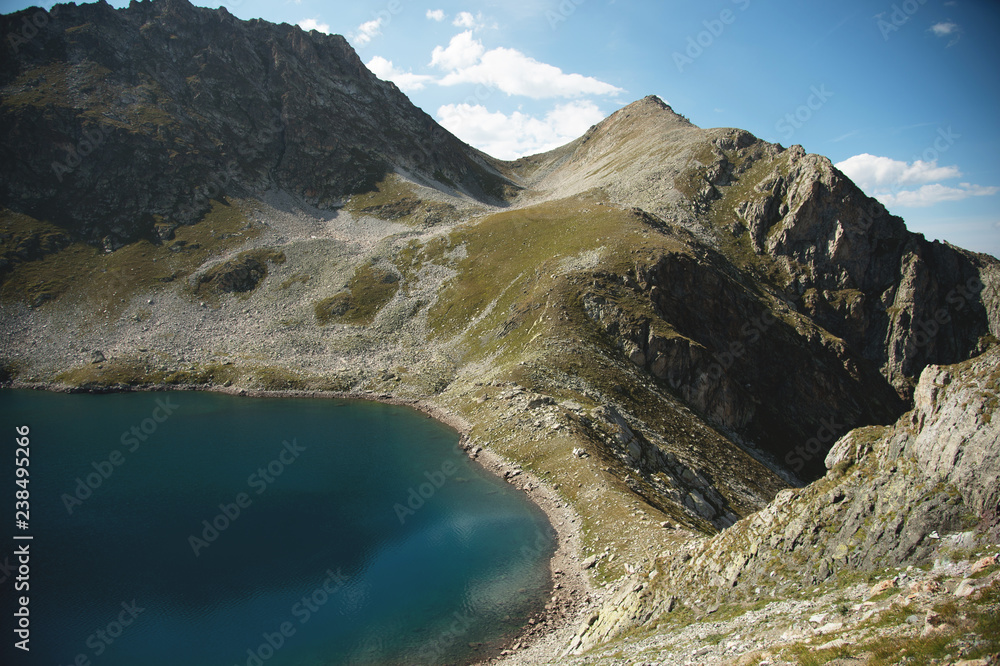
(757, 398)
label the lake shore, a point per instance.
(572, 596)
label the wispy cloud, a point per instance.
(435, 14)
(944, 29)
(928, 195)
(843, 137)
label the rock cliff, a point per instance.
(890, 495)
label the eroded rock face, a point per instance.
(900, 301)
(889, 495)
(746, 361)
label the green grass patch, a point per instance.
(102, 282)
(515, 259)
(368, 291)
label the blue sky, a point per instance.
(903, 94)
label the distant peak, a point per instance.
(650, 105)
(654, 99)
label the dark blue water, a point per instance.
(204, 529)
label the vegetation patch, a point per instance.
(105, 281)
(241, 274)
(23, 239)
(368, 290)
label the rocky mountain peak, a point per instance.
(135, 112)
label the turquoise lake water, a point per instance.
(212, 530)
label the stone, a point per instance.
(983, 564)
(966, 588)
(882, 586)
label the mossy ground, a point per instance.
(394, 198)
(969, 632)
(104, 281)
(368, 291)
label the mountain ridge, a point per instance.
(227, 104)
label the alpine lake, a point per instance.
(206, 529)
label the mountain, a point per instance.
(668, 325)
(123, 124)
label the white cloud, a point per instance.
(928, 195)
(871, 172)
(435, 14)
(517, 74)
(462, 51)
(511, 136)
(467, 20)
(947, 29)
(407, 81)
(885, 179)
(367, 31)
(944, 29)
(313, 24)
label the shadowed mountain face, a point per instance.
(704, 312)
(116, 122)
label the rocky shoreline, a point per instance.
(571, 596)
